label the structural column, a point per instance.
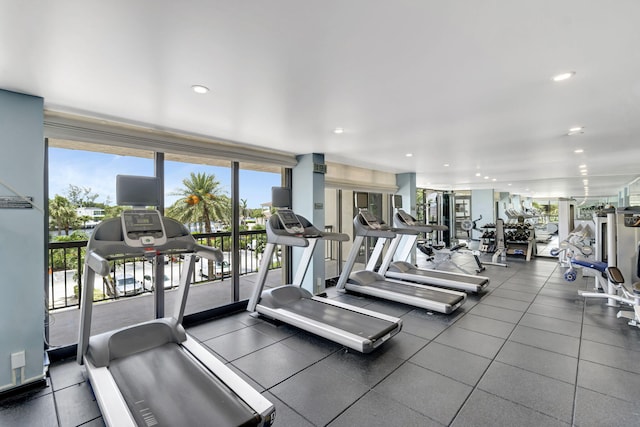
(406, 183)
(22, 227)
(308, 200)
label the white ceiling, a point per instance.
(462, 82)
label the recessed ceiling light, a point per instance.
(409, 155)
(446, 165)
(486, 177)
(509, 185)
(563, 76)
(338, 131)
(200, 89)
(578, 151)
(576, 130)
(582, 166)
(478, 174)
(494, 179)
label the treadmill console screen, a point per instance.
(370, 219)
(290, 221)
(405, 217)
(143, 228)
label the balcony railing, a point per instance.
(136, 275)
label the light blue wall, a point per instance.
(22, 245)
(308, 200)
(406, 183)
(482, 203)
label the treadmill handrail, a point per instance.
(364, 230)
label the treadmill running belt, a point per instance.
(166, 387)
(479, 280)
(416, 291)
(359, 324)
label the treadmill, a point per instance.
(154, 373)
(354, 327)
(403, 270)
(369, 282)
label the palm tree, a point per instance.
(243, 210)
(62, 214)
(202, 201)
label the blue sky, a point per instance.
(98, 171)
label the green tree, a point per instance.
(202, 201)
(62, 214)
(243, 211)
(81, 196)
(65, 259)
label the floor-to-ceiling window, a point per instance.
(197, 192)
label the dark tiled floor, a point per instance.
(528, 352)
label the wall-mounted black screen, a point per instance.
(137, 190)
(280, 197)
(362, 200)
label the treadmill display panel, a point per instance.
(370, 219)
(290, 221)
(406, 218)
(143, 228)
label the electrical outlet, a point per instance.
(18, 360)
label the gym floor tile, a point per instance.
(285, 416)
(543, 362)
(611, 381)
(311, 345)
(209, 330)
(368, 369)
(497, 313)
(486, 409)
(627, 360)
(403, 345)
(508, 303)
(66, 374)
(544, 394)
(283, 362)
(239, 343)
(559, 302)
(29, 410)
(375, 410)
(422, 327)
(595, 409)
(527, 280)
(516, 295)
(320, 393)
(628, 338)
(448, 361)
(484, 325)
(558, 326)
(520, 287)
(473, 342)
(569, 295)
(276, 330)
(546, 340)
(572, 315)
(76, 405)
(427, 392)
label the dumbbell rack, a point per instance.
(519, 239)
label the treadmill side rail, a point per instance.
(115, 411)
